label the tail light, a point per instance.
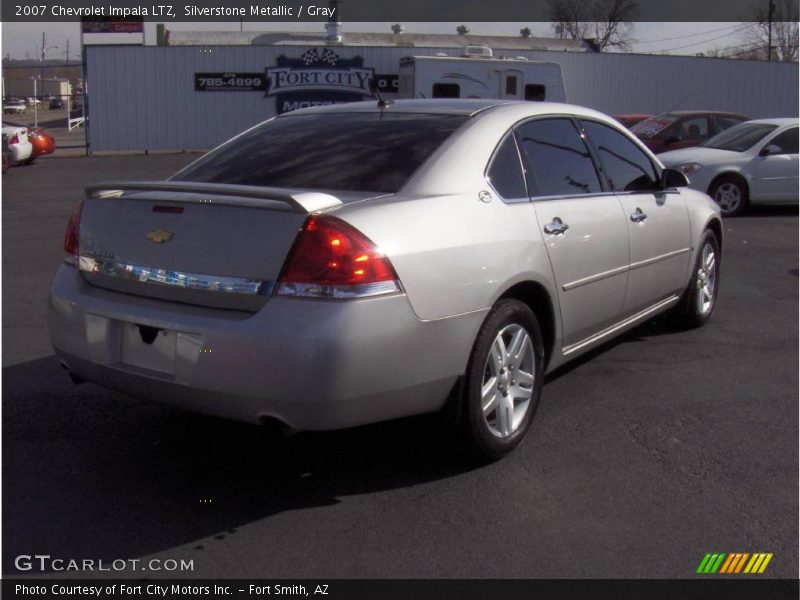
(331, 259)
(14, 139)
(72, 236)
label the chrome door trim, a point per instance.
(638, 265)
(621, 325)
(592, 278)
(655, 259)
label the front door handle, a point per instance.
(638, 216)
(557, 226)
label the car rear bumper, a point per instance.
(311, 364)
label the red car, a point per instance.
(683, 129)
(42, 142)
(631, 120)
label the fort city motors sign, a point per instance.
(317, 77)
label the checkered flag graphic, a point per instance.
(310, 57)
(330, 57)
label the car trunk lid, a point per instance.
(215, 245)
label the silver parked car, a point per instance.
(349, 264)
(752, 162)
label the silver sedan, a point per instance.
(349, 264)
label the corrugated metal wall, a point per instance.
(143, 98)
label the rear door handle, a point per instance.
(555, 227)
(638, 216)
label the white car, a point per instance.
(14, 107)
(18, 143)
(754, 161)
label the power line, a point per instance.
(680, 37)
(741, 28)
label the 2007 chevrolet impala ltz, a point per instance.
(348, 264)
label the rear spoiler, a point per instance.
(219, 193)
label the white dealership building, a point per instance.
(196, 89)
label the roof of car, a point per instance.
(703, 112)
(779, 122)
(455, 106)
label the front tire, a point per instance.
(700, 297)
(730, 194)
(503, 382)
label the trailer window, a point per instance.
(535, 92)
(370, 151)
(446, 90)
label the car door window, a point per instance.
(786, 141)
(557, 161)
(505, 171)
(694, 129)
(626, 166)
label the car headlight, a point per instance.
(689, 168)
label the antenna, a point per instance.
(382, 102)
(686, 97)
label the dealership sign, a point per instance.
(317, 77)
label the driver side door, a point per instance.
(776, 174)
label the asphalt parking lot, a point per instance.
(658, 448)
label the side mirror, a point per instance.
(770, 149)
(673, 139)
(670, 178)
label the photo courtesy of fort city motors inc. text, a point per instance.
(363, 299)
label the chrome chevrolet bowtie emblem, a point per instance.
(159, 236)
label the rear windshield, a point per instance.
(371, 152)
(739, 137)
(652, 126)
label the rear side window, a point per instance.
(371, 152)
(505, 171)
(724, 123)
(557, 161)
(627, 167)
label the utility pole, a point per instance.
(769, 35)
(41, 65)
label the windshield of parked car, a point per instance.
(739, 138)
(651, 127)
(369, 151)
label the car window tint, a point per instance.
(741, 137)
(695, 128)
(371, 152)
(724, 123)
(786, 141)
(557, 161)
(626, 166)
(505, 171)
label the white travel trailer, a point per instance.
(479, 75)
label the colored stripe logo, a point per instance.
(734, 563)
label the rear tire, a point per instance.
(700, 297)
(503, 382)
(731, 195)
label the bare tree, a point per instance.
(784, 30)
(609, 22)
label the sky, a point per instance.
(21, 40)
